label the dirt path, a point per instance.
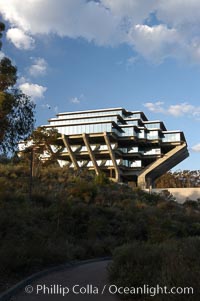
(84, 282)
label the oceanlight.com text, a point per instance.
(112, 289)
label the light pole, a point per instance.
(31, 173)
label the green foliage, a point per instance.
(40, 144)
(18, 123)
(76, 215)
(8, 75)
(101, 179)
(173, 263)
(136, 264)
(180, 179)
(16, 109)
(2, 28)
(42, 135)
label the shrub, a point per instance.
(173, 263)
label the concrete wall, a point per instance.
(182, 194)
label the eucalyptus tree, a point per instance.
(16, 108)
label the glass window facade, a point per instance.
(136, 163)
(141, 134)
(91, 114)
(133, 149)
(84, 120)
(132, 122)
(128, 131)
(154, 151)
(152, 125)
(171, 137)
(103, 147)
(116, 131)
(136, 115)
(153, 135)
(86, 128)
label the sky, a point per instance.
(143, 55)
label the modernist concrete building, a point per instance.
(123, 144)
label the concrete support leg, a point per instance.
(141, 182)
(162, 165)
(112, 156)
(91, 154)
(71, 154)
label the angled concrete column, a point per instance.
(49, 149)
(112, 156)
(90, 152)
(52, 153)
(71, 154)
(162, 165)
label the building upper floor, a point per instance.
(119, 121)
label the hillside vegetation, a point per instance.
(179, 179)
(80, 216)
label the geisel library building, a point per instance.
(123, 144)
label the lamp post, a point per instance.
(33, 150)
(31, 173)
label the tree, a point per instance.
(2, 28)
(45, 143)
(16, 108)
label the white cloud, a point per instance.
(56, 110)
(75, 100)
(21, 80)
(155, 107)
(46, 106)
(155, 43)
(1, 55)
(174, 34)
(39, 67)
(179, 12)
(20, 39)
(72, 18)
(131, 61)
(33, 90)
(196, 148)
(177, 110)
(136, 10)
(181, 109)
